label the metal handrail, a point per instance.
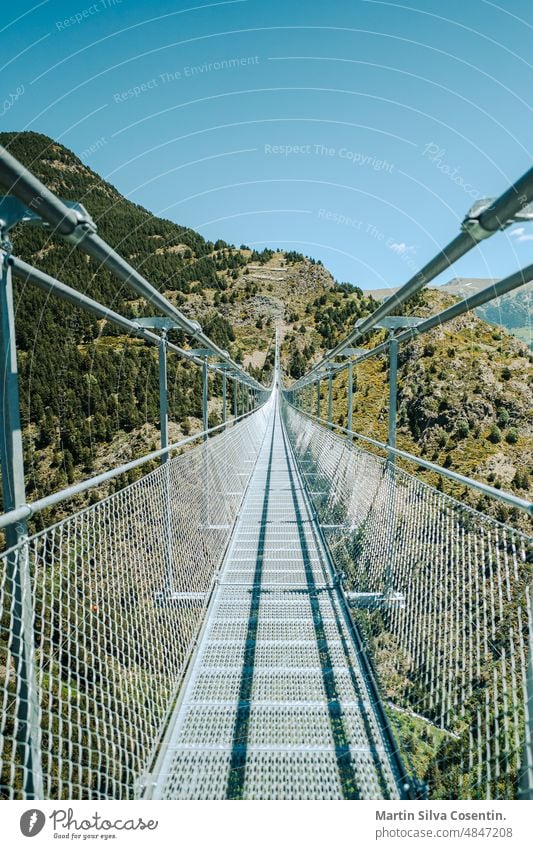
(501, 287)
(488, 222)
(70, 224)
(67, 293)
(505, 497)
(25, 511)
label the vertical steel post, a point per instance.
(391, 523)
(205, 424)
(318, 390)
(330, 400)
(205, 378)
(163, 431)
(163, 394)
(235, 399)
(349, 417)
(224, 397)
(526, 779)
(18, 571)
(393, 391)
(243, 398)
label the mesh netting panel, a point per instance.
(99, 614)
(440, 593)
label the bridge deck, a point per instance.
(276, 704)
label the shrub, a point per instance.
(429, 349)
(521, 480)
(506, 373)
(511, 436)
(502, 513)
(495, 434)
(461, 428)
(503, 417)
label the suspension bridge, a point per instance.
(281, 611)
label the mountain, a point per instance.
(89, 395)
(464, 287)
(512, 311)
(464, 402)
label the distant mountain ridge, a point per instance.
(512, 311)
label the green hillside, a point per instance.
(464, 402)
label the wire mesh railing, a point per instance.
(99, 614)
(440, 593)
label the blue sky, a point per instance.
(358, 132)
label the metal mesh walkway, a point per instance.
(277, 704)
